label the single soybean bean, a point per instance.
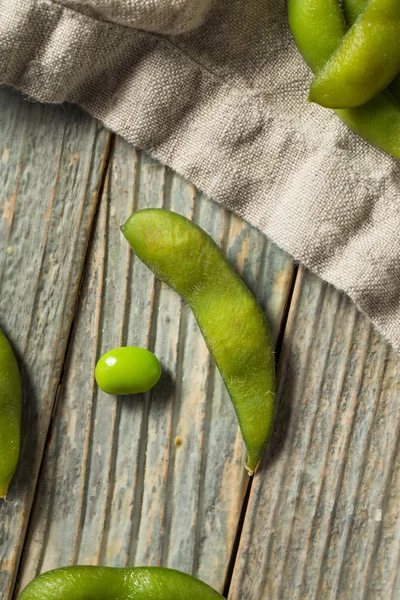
(127, 370)
(366, 60)
(108, 583)
(233, 325)
(10, 414)
(318, 26)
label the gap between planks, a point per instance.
(103, 183)
(246, 499)
(278, 347)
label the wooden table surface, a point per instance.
(159, 479)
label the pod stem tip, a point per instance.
(250, 472)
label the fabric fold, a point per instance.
(172, 17)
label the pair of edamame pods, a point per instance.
(237, 334)
(354, 65)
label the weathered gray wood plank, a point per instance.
(51, 165)
(323, 517)
(157, 479)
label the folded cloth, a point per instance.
(216, 90)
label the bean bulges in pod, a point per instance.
(110, 583)
(318, 27)
(10, 414)
(234, 327)
(366, 60)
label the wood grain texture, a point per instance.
(51, 165)
(323, 516)
(159, 478)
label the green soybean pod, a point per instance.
(10, 414)
(318, 26)
(366, 60)
(109, 583)
(233, 325)
(352, 10)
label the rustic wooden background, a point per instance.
(159, 479)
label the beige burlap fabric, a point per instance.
(216, 90)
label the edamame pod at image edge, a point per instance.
(366, 60)
(317, 27)
(233, 325)
(108, 583)
(352, 10)
(10, 414)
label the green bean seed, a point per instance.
(234, 326)
(127, 370)
(318, 27)
(108, 583)
(10, 414)
(366, 60)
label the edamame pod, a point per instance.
(352, 10)
(10, 414)
(108, 583)
(318, 26)
(366, 60)
(234, 326)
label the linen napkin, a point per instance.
(216, 90)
